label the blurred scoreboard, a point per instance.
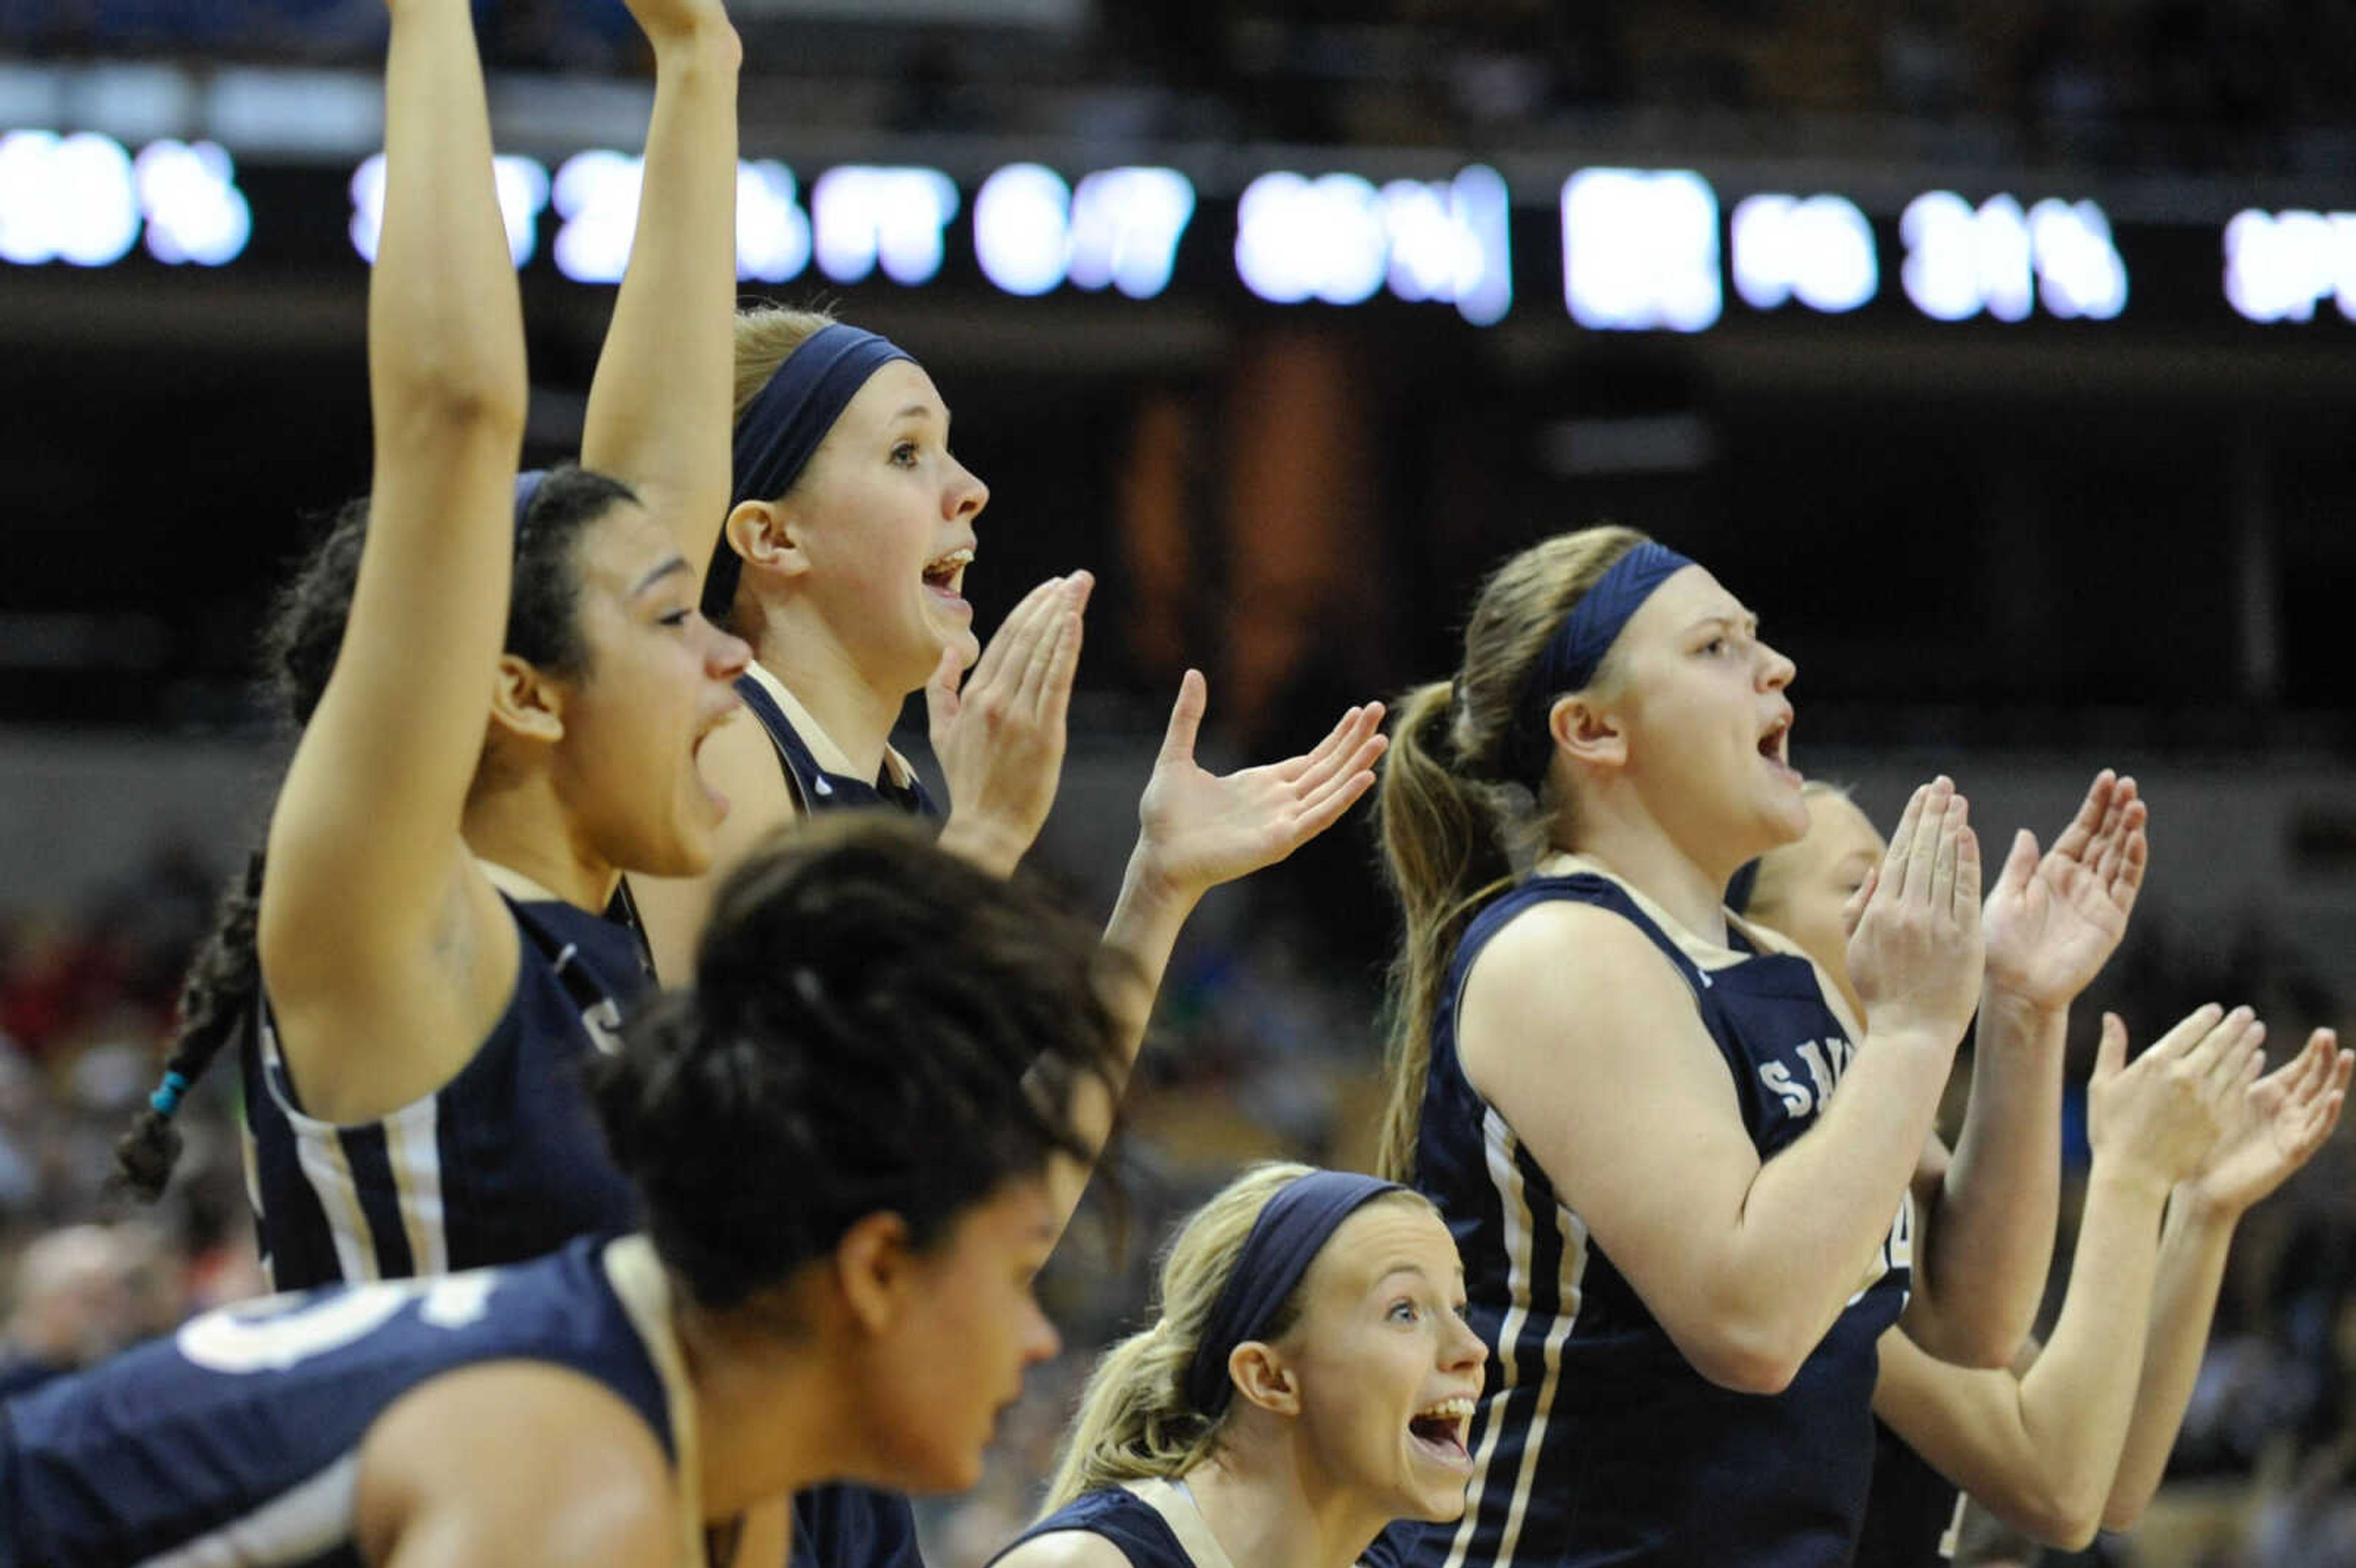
(1609, 249)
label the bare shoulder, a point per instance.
(1562, 962)
(511, 1461)
(1066, 1548)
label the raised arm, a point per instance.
(1197, 829)
(364, 848)
(2051, 922)
(1588, 1043)
(2038, 1449)
(661, 403)
(2269, 1134)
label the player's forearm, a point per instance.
(2077, 1400)
(2191, 1269)
(1818, 1213)
(1137, 941)
(1998, 1205)
(446, 323)
(660, 405)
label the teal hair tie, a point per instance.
(166, 1097)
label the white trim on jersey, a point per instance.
(1497, 1143)
(293, 1527)
(412, 1153)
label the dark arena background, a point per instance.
(2003, 357)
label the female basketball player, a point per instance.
(846, 1162)
(1678, 1241)
(2045, 1449)
(842, 562)
(1309, 1379)
(502, 686)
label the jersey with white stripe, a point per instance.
(504, 1162)
(236, 1442)
(1914, 1517)
(1595, 1441)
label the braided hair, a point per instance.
(299, 646)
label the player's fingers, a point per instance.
(947, 676)
(2073, 840)
(1946, 848)
(2019, 862)
(1185, 716)
(1055, 702)
(1904, 863)
(2188, 1032)
(2126, 878)
(2111, 1051)
(1018, 638)
(2203, 1056)
(1967, 905)
(1315, 817)
(1031, 695)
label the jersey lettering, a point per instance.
(284, 1331)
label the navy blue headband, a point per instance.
(1291, 1229)
(783, 424)
(1576, 651)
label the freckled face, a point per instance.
(886, 517)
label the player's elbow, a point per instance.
(1743, 1356)
(2059, 1511)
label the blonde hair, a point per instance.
(1767, 889)
(1455, 831)
(1134, 1420)
(766, 337)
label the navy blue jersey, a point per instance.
(846, 1526)
(1914, 1514)
(841, 1526)
(1154, 1523)
(1595, 1441)
(815, 786)
(502, 1163)
(237, 1440)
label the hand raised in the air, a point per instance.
(1914, 946)
(2053, 921)
(2161, 1116)
(2273, 1129)
(999, 733)
(1198, 829)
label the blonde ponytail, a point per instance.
(1454, 832)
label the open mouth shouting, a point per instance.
(945, 578)
(1776, 745)
(1440, 1432)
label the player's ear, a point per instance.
(767, 535)
(874, 1268)
(1260, 1376)
(1588, 732)
(527, 703)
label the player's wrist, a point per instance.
(2011, 1012)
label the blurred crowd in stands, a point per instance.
(2180, 84)
(1261, 1051)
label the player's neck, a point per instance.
(765, 1415)
(519, 823)
(1267, 1512)
(805, 655)
(1617, 833)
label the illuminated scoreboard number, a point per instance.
(2280, 265)
(1342, 239)
(1962, 260)
(83, 199)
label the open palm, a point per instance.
(1202, 828)
(2051, 921)
(2282, 1120)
